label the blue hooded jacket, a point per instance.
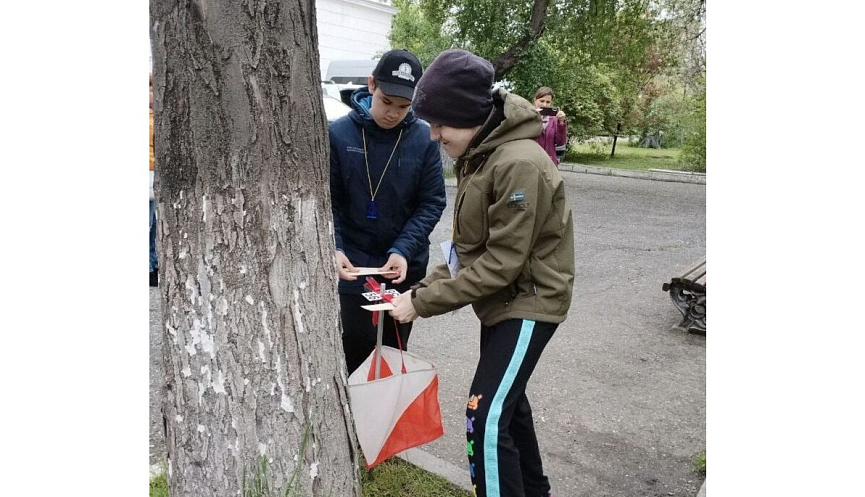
(410, 199)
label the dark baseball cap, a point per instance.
(397, 73)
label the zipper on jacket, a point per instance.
(459, 207)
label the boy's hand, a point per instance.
(344, 266)
(396, 264)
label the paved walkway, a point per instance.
(422, 457)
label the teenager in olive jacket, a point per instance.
(512, 259)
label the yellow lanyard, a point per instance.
(372, 193)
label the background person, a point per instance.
(555, 128)
(513, 239)
(388, 194)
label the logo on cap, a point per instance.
(403, 72)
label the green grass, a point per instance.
(392, 478)
(397, 478)
(597, 153)
(159, 485)
(700, 464)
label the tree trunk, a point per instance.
(535, 28)
(652, 140)
(615, 139)
(254, 392)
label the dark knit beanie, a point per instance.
(456, 90)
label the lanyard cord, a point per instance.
(372, 193)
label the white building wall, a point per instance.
(352, 29)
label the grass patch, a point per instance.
(700, 464)
(397, 478)
(159, 485)
(597, 153)
(392, 478)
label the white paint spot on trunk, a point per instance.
(203, 208)
(313, 470)
(250, 300)
(262, 448)
(190, 285)
(207, 344)
(264, 324)
(201, 428)
(286, 404)
(298, 316)
(285, 401)
(178, 418)
(246, 381)
(261, 351)
(219, 384)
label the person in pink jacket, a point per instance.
(555, 132)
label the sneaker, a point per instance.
(154, 278)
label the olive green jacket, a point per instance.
(513, 231)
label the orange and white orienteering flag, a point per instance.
(397, 411)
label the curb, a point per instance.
(440, 467)
(651, 174)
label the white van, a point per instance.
(353, 72)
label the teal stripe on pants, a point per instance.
(491, 431)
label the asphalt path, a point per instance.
(619, 397)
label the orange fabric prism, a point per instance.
(398, 411)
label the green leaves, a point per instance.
(606, 60)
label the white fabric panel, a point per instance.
(377, 405)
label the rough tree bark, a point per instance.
(253, 360)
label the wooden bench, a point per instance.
(688, 292)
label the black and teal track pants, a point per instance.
(504, 459)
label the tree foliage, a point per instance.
(694, 146)
(614, 64)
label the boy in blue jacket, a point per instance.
(387, 194)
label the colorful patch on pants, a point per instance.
(473, 402)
